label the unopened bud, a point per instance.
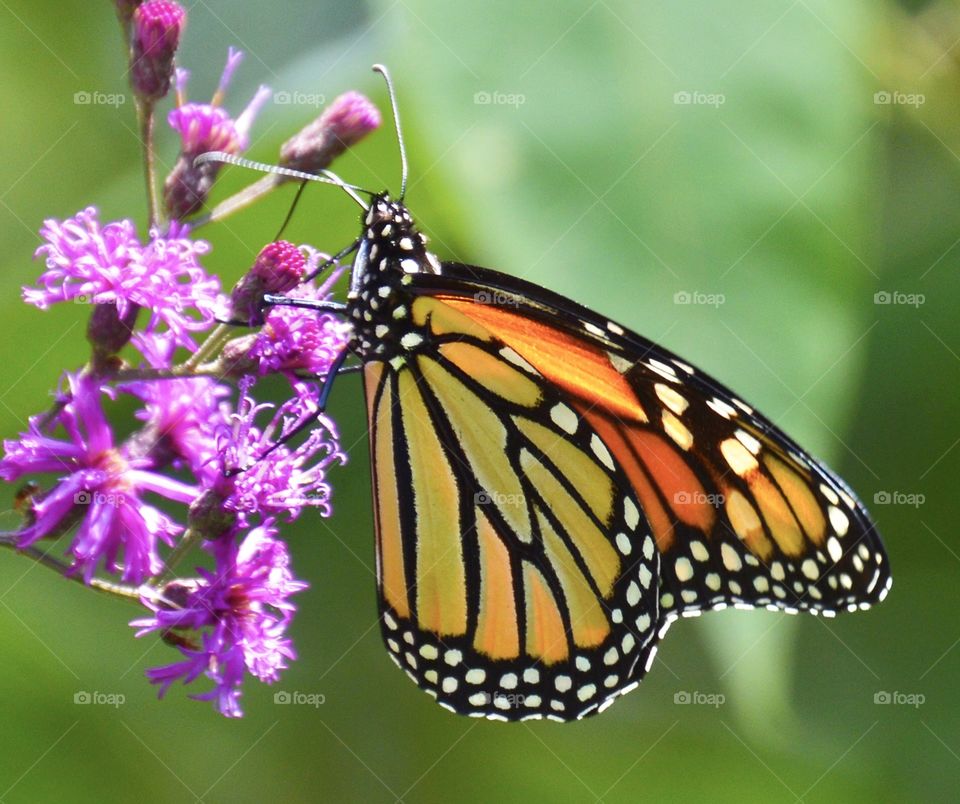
(187, 186)
(279, 267)
(108, 331)
(343, 123)
(157, 26)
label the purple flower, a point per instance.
(106, 264)
(205, 127)
(208, 127)
(298, 340)
(259, 473)
(99, 483)
(181, 415)
(240, 613)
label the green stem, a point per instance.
(187, 541)
(175, 373)
(145, 110)
(131, 593)
(214, 341)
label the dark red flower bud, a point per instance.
(157, 26)
(279, 267)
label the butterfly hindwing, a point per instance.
(517, 576)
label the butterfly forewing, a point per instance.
(740, 514)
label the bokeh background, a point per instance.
(737, 180)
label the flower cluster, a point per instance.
(205, 460)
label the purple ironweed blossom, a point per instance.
(293, 340)
(106, 264)
(157, 27)
(261, 473)
(205, 127)
(342, 124)
(231, 621)
(279, 267)
(297, 340)
(99, 482)
(180, 415)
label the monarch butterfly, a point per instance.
(551, 490)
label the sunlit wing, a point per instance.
(551, 491)
(740, 514)
(517, 576)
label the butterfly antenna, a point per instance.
(379, 68)
(325, 176)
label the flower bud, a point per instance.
(343, 123)
(208, 517)
(157, 26)
(279, 267)
(187, 186)
(108, 331)
(205, 127)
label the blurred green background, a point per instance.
(630, 153)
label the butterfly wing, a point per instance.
(741, 515)
(552, 490)
(517, 577)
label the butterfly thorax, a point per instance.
(390, 253)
